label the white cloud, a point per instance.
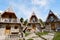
(40, 2)
(1, 11)
(27, 12)
(22, 8)
(58, 15)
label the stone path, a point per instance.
(49, 36)
(33, 36)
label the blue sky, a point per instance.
(24, 8)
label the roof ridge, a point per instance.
(9, 9)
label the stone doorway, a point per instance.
(7, 30)
(34, 26)
(53, 26)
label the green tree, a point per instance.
(41, 22)
(25, 22)
(21, 20)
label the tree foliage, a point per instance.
(21, 20)
(25, 22)
(41, 22)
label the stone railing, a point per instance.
(12, 37)
(14, 30)
(7, 20)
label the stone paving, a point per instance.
(2, 37)
(33, 36)
(49, 36)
